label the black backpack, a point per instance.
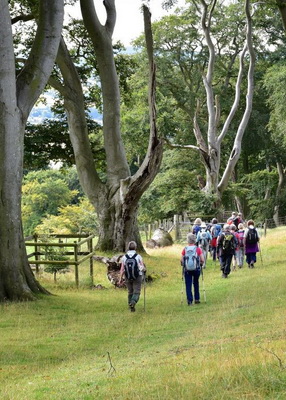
(228, 243)
(252, 236)
(131, 267)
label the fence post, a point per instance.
(76, 263)
(149, 231)
(37, 256)
(146, 231)
(89, 245)
(265, 227)
(177, 229)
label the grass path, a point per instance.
(85, 344)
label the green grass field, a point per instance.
(85, 344)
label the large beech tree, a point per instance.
(209, 143)
(115, 199)
(18, 94)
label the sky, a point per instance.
(129, 23)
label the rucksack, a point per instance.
(191, 258)
(252, 236)
(203, 238)
(196, 229)
(240, 236)
(228, 243)
(216, 231)
(131, 267)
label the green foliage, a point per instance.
(72, 218)
(174, 190)
(53, 253)
(275, 83)
(258, 184)
(49, 142)
(43, 192)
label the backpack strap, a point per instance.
(130, 257)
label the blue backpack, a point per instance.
(191, 258)
(216, 231)
(196, 229)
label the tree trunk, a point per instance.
(281, 173)
(115, 201)
(17, 281)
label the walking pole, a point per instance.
(182, 289)
(260, 253)
(203, 282)
(144, 291)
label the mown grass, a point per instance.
(85, 344)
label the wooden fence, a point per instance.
(78, 256)
(180, 225)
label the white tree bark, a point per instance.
(210, 150)
(17, 97)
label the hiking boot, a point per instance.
(197, 301)
(132, 307)
(223, 275)
(190, 304)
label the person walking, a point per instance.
(239, 253)
(191, 260)
(233, 230)
(133, 268)
(197, 226)
(226, 244)
(203, 240)
(251, 239)
(215, 232)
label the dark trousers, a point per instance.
(192, 278)
(134, 289)
(251, 258)
(225, 263)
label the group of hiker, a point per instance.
(228, 242)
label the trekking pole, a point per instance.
(182, 289)
(203, 282)
(260, 253)
(144, 291)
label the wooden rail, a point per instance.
(78, 255)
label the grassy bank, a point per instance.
(85, 344)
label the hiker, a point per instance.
(215, 231)
(226, 244)
(203, 241)
(233, 219)
(191, 261)
(234, 260)
(251, 239)
(197, 226)
(132, 266)
(240, 219)
(239, 253)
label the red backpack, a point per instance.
(240, 237)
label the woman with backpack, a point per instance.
(197, 226)
(239, 253)
(192, 259)
(215, 232)
(132, 266)
(251, 239)
(233, 230)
